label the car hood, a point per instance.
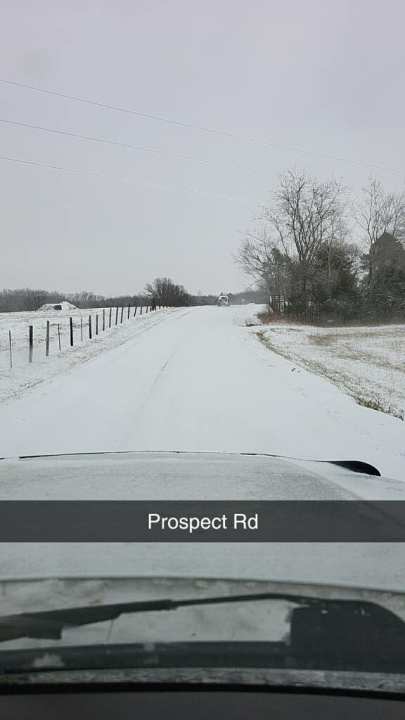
(197, 476)
(189, 476)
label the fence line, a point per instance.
(30, 342)
(96, 323)
(47, 339)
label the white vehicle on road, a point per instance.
(223, 300)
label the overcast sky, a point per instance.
(315, 84)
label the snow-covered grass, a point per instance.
(366, 362)
(24, 375)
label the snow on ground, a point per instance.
(198, 379)
(16, 380)
(366, 362)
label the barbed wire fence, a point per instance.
(43, 339)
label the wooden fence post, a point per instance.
(71, 331)
(30, 342)
(109, 317)
(60, 347)
(140, 310)
(136, 308)
(47, 339)
(129, 309)
(116, 315)
(10, 349)
(103, 319)
(90, 332)
(122, 313)
(96, 323)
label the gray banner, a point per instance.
(201, 521)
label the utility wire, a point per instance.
(114, 143)
(157, 186)
(191, 126)
(117, 108)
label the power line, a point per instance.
(20, 161)
(107, 141)
(69, 133)
(116, 108)
(191, 126)
(155, 186)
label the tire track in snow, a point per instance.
(162, 371)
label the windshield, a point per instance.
(202, 322)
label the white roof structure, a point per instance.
(63, 306)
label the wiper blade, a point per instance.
(49, 624)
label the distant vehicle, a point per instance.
(223, 299)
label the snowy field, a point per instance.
(366, 362)
(16, 380)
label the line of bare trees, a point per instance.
(162, 291)
(302, 251)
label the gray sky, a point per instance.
(295, 84)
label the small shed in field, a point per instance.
(63, 306)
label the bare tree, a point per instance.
(262, 259)
(255, 252)
(163, 291)
(305, 215)
(379, 212)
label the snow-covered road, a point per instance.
(198, 380)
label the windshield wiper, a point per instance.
(49, 624)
